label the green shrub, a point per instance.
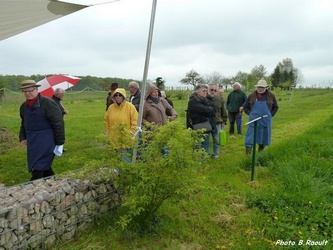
(157, 177)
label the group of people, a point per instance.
(207, 111)
(42, 123)
(122, 114)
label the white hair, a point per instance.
(237, 84)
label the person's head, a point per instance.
(201, 90)
(119, 95)
(212, 89)
(133, 87)
(220, 91)
(163, 95)
(29, 88)
(59, 93)
(152, 91)
(114, 86)
(236, 86)
(261, 86)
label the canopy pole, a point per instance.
(143, 86)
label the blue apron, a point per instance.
(40, 139)
(264, 130)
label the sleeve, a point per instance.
(246, 106)
(106, 121)
(275, 106)
(53, 114)
(224, 112)
(22, 133)
(134, 119)
(169, 110)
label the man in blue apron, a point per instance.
(260, 103)
(42, 129)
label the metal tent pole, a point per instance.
(145, 73)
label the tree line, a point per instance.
(284, 76)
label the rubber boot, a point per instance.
(261, 148)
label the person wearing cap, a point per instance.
(235, 100)
(201, 110)
(135, 97)
(109, 99)
(260, 103)
(42, 129)
(120, 123)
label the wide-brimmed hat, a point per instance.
(261, 83)
(28, 84)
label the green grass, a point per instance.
(291, 197)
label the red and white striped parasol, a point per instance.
(49, 84)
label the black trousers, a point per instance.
(232, 119)
(38, 174)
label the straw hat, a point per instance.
(261, 83)
(28, 84)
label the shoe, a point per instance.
(215, 156)
(261, 148)
(248, 150)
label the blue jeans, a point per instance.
(205, 143)
(216, 140)
(125, 154)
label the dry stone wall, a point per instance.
(33, 215)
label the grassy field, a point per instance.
(289, 202)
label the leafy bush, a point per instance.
(166, 169)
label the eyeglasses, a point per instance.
(116, 95)
(28, 91)
(213, 90)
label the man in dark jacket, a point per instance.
(220, 118)
(109, 99)
(201, 110)
(42, 129)
(134, 89)
(57, 97)
(235, 100)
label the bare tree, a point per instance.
(214, 78)
(192, 77)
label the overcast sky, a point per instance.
(224, 36)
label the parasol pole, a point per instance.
(143, 86)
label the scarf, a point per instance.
(31, 103)
(155, 100)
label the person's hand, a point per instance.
(24, 142)
(241, 109)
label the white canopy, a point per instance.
(17, 16)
